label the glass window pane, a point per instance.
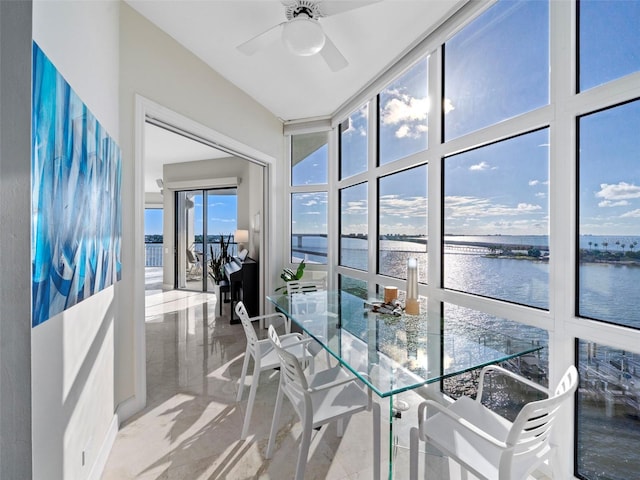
(402, 207)
(404, 106)
(353, 286)
(222, 222)
(354, 227)
(153, 237)
(609, 219)
(153, 224)
(608, 437)
(497, 67)
(496, 223)
(609, 41)
(309, 227)
(499, 397)
(309, 153)
(354, 143)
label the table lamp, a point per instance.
(241, 237)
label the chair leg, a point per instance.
(274, 422)
(376, 440)
(326, 352)
(252, 398)
(245, 365)
(413, 453)
(312, 365)
(304, 448)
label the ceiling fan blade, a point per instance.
(261, 40)
(333, 7)
(332, 55)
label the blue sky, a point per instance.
(492, 73)
(222, 216)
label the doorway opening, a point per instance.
(203, 219)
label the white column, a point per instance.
(15, 257)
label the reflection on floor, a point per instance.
(190, 428)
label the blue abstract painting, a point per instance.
(76, 201)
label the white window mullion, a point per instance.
(333, 211)
(434, 177)
(372, 195)
(562, 210)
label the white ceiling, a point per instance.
(162, 146)
(371, 37)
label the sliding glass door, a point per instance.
(202, 217)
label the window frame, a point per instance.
(560, 116)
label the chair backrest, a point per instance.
(191, 258)
(292, 374)
(305, 286)
(531, 429)
(250, 333)
(299, 302)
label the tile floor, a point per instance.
(190, 428)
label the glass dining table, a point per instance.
(395, 353)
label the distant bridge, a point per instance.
(457, 246)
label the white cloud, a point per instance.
(403, 131)
(448, 106)
(410, 113)
(403, 207)
(405, 108)
(609, 203)
(483, 207)
(631, 214)
(528, 207)
(533, 182)
(355, 123)
(356, 207)
(618, 191)
(479, 167)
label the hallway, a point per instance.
(190, 428)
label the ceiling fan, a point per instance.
(302, 32)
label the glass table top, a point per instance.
(390, 353)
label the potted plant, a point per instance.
(218, 258)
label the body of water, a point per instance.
(609, 407)
(517, 280)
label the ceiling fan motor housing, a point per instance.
(307, 7)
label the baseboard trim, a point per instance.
(105, 449)
(128, 408)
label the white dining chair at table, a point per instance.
(265, 356)
(306, 299)
(318, 399)
(487, 444)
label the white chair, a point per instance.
(305, 286)
(488, 445)
(194, 266)
(306, 299)
(318, 399)
(264, 356)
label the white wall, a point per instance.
(155, 67)
(72, 353)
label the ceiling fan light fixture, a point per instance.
(303, 36)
